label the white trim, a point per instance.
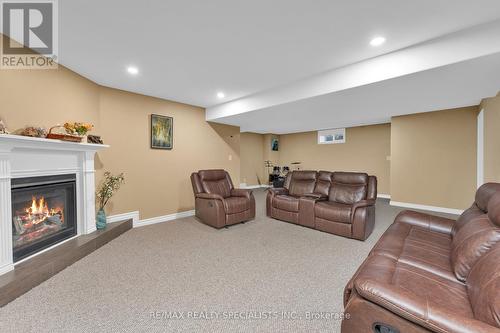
(27, 142)
(480, 148)
(249, 187)
(383, 196)
(425, 207)
(6, 268)
(164, 218)
(123, 217)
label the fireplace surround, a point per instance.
(25, 159)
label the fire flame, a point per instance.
(40, 209)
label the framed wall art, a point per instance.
(162, 132)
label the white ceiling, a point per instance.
(455, 70)
(188, 50)
(446, 87)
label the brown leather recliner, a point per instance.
(350, 208)
(217, 202)
(283, 203)
(341, 203)
(431, 274)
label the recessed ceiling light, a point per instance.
(377, 41)
(133, 70)
(220, 94)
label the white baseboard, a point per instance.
(383, 196)
(122, 217)
(6, 268)
(425, 207)
(164, 218)
(250, 187)
(137, 222)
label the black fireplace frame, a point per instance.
(22, 184)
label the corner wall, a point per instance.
(252, 159)
(491, 107)
(433, 158)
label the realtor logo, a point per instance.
(29, 34)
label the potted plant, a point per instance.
(106, 190)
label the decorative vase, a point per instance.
(101, 219)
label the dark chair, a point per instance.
(217, 202)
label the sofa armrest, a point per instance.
(209, 196)
(426, 221)
(419, 309)
(238, 192)
(278, 190)
(362, 203)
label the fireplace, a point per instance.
(43, 212)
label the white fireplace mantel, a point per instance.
(22, 156)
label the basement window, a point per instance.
(331, 136)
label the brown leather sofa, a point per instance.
(431, 274)
(341, 203)
(217, 202)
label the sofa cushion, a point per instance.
(323, 183)
(348, 187)
(234, 205)
(494, 209)
(424, 249)
(302, 183)
(471, 242)
(484, 194)
(479, 207)
(333, 211)
(417, 295)
(483, 285)
(286, 202)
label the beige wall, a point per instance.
(252, 159)
(46, 98)
(433, 158)
(366, 150)
(157, 181)
(491, 107)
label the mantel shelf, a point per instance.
(9, 142)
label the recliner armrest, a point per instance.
(316, 196)
(239, 192)
(426, 221)
(361, 204)
(209, 196)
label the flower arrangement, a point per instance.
(108, 187)
(78, 128)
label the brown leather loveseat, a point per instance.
(217, 202)
(341, 203)
(431, 274)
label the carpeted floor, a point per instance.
(183, 276)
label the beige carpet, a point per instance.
(261, 276)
